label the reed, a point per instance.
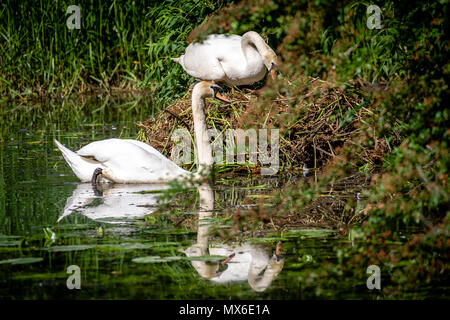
(121, 45)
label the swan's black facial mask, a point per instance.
(218, 94)
(273, 66)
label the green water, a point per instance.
(126, 247)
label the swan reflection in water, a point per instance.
(248, 262)
(113, 203)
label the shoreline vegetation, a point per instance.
(364, 107)
(121, 47)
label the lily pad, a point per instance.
(309, 233)
(40, 276)
(9, 241)
(4, 237)
(156, 259)
(69, 248)
(138, 245)
(21, 260)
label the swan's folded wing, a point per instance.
(202, 63)
(146, 147)
(204, 60)
(131, 160)
(217, 58)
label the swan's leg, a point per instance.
(95, 175)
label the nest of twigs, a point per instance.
(315, 119)
(158, 130)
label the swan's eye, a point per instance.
(273, 66)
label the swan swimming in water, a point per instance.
(132, 161)
(232, 59)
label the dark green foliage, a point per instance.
(402, 70)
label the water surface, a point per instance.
(125, 244)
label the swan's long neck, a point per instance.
(260, 282)
(202, 138)
(250, 38)
(206, 194)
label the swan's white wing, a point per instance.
(147, 148)
(221, 58)
(204, 60)
(223, 39)
(131, 161)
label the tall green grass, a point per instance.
(121, 45)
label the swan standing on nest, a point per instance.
(232, 59)
(132, 161)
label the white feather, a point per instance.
(232, 59)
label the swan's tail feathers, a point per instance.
(177, 60)
(69, 155)
(83, 168)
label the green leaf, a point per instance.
(156, 259)
(69, 248)
(21, 260)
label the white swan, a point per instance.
(132, 161)
(233, 59)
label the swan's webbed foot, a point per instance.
(95, 175)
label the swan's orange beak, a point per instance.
(231, 256)
(273, 74)
(221, 97)
(278, 249)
